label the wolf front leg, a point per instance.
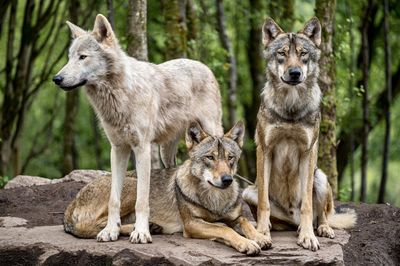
(251, 233)
(263, 176)
(119, 163)
(306, 237)
(198, 228)
(141, 233)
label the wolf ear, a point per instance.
(237, 133)
(270, 31)
(194, 135)
(103, 31)
(75, 30)
(312, 30)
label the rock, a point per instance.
(50, 245)
(12, 221)
(84, 176)
(26, 181)
(374, 240)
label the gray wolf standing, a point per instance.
(138, 103)
(289, 187)
(191, 197)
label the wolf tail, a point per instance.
(345, 218)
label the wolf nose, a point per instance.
(57, 79)
(226, 180)
(294, 73)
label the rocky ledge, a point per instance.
(31, 234)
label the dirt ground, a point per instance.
(374, 241)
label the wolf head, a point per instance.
(214, 159)
(89, 55)
(292, 57)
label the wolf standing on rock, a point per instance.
(289, 187)
(138, 103)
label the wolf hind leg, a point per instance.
(279, 219)
(168, 153)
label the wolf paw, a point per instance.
(138, 237)
(109, 233)
(248, 247)
(308, 241)
(264, 241)
(325, 230)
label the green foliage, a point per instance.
(4, 180)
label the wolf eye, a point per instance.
(304, 53)
(281, 53)
(210, 157)
(81, 57)
(230, 158)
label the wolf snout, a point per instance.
(294, 74)
(57, 79)
(226, 180)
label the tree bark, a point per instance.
(137, 48)
(325, 11)
(257, 74)
(175, 28)
(110, 13)
(230, 57)
(283, 13)
(388, 66)
(192, 22)
(70, 161)
(137, 29)
(365, 101)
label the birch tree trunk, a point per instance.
(325, 11)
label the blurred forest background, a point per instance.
(47, 132)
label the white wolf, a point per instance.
(138, 103)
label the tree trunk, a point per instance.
(257, 74)
(352, 68)
(137, 48)
(365, 104)
(388, 66)
(283, 13)
(227, 45)
(71, 110)
(110, 13)
(137, 29)
(325, 11)
(192, 21)
(346, 136)
(175, 28)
